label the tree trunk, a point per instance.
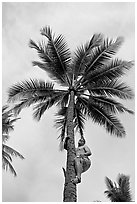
(69, 187)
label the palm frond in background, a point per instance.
(119, 192)
(7, 152)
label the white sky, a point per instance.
(40, 176)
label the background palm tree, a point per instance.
(120, 191)
(88, 80)
(8, 152)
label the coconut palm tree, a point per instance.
(119, 192)
(8, 152)
(88, 80)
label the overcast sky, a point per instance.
(40, 176)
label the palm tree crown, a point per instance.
(8, 152)
(91, 73)
(119, 192)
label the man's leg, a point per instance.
(78, 167)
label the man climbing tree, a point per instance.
(81, 161)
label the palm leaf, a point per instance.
(58, 51)
(79, 119)
(111, 71)
(65, 99)
(12, 151)
(111, 124)
(111, 88)
(5, 138)
(109, 183)
(61, 116)
(40, 108)
(82, 53)
(102, 117)
(113, 192)
(120, 193)
(4, 108)
(48, 64)
(47, 98)
(109, 104)
(61, 121)
(124, 185)
(32, 87)
(5, 154)
(6, 127)
(7, 165)
(7, 122)
(101, 54)
(26, 102)
(61, 124)
(112, 195)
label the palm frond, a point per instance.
(102, 117)
(62, 111)
(6, 114)
(79, 119)
(102, 54)
(32, 87)
(4, 108)
(40, 108)
(26, 102)
(120, 192)
(111, 123)
(12, 151)
(5, 138)
(52, 73)
(57, 47)
(124, 185)
(8, 119)
(6, 165)
(111, 71)
(121, 178)
(108, 104)
(65, 99)
(48, 64)
(58, 52)
(112, 195)
(42, 49)
(124, 182)
(61, 123)
(111, 88)
(5, 154)
(82, 53)
(109, 183)
(6, 127)
(113, 192)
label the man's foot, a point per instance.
(76, 180)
